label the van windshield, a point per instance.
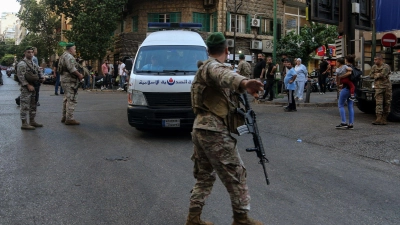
(161, 60)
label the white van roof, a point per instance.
(174, 37)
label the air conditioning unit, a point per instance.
(209, 2)
(267, 46)
(256, 45)
(255, 22)
(230, 42)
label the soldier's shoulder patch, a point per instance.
(21, 68)
(72, 60)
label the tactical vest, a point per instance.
(217, 101)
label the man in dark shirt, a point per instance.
(323, 73)
(259, 69)
(270, 76)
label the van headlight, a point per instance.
(136, 98)
(373, 85)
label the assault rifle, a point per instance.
(250, 126)
(79, 83)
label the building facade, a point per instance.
(8, 23)
(252, 20)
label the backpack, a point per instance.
(355, 75)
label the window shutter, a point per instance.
(175, 17)
(206, 24)
(152, 17)
(228, 21)
(261, 25)
(248, 24)
(215, 25)
(135, 23)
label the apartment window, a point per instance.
(202, 18)
(266, 26)
(135, 23)
(213, 20)
(294, 19)
(164, 17)
(238, 22)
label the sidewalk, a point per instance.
(329, 99)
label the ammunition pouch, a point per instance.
(235, 119)
(31, 77)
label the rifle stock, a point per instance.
(251, 127)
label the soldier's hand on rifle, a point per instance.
(252, 87)
(80, 76)
(30, 87)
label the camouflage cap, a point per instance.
(215, 39)
(241, 56)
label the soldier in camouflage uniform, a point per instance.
(28, 94)
(215, 152)
(383, 89)
(70, 77)
(244, 68)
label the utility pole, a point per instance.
(373, 39)
(234, 31)
(275, 33)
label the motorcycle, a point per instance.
(49, 79)
(9, 72)
(314, 85)
(331, 84)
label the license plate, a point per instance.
(171, 122)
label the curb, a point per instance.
(99, 90)
(316, 104)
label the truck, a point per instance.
(161, 77)
(366, 96)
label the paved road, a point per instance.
(106, 172)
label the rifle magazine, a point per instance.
(243, 130)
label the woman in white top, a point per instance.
(302, 75)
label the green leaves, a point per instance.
(310, 38)
(42, 23)
(92, 21)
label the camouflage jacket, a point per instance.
(244, 69)
(221, 80)
(67, 65)
(381, 75)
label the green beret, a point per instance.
(241, 56)
(215, 39)
(69, 45)
(29, 48)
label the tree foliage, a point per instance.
(7, 47)
(310, 38)
(42, 24)
(93, 21)
(7, 60)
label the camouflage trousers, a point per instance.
(383, 97)
(215, 153)
(27, 103)
(70, 100)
